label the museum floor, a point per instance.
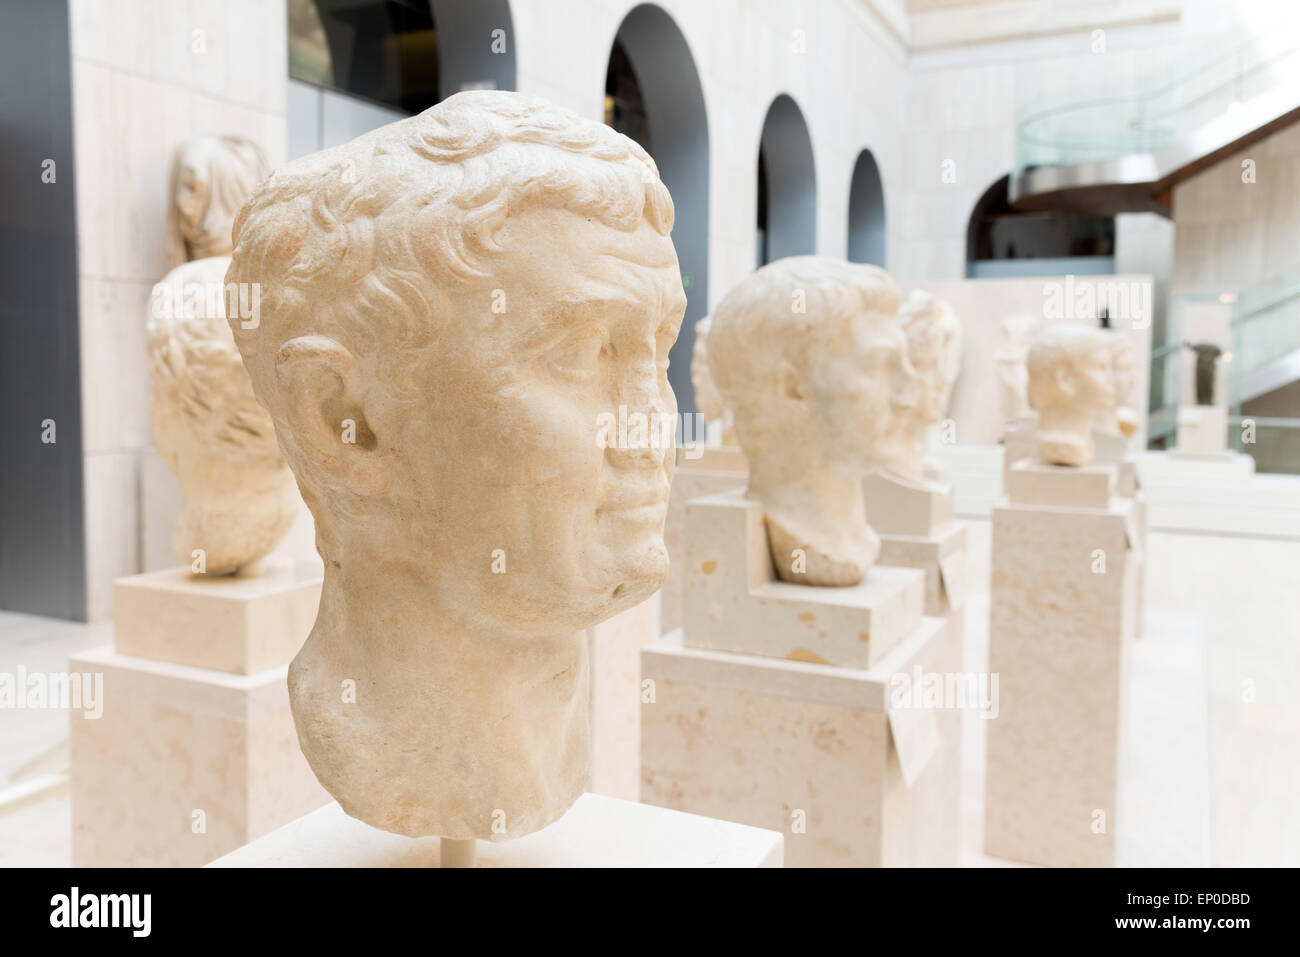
(1197, 773)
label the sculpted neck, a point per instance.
(818, 511)
(453, 731)
(1065, 436)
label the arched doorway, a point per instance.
(866, 212)
(1003, 241)
(787, 185)
(653, 95)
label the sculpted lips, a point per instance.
(644, 504)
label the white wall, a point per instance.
(145, 76)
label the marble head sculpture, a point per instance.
(1071, 380)
(239, 495)
(469, 292)
(707, 396)
(810, 356)
(211, 177)
(934, 350)
(1121, 418)
(1013, 377)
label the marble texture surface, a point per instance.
(1060, 631)
(691, 480)
(734, 601)
(1030, 482)
(803, 749)
(237, 624)
(597, 831)
(184, 765)
(615, 647)
(1071, 382)
(902, 506)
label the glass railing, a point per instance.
(1144, 116)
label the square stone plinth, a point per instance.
(1087, 486)
(1062, 614)
(690, 481)
(896, 506)
(184, 765)
(228, 623)
(804, 749)
(735, 603)
(614, 650)
(596, 832)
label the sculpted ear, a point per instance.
(1065, 381)
(325, 406)
(788, 382)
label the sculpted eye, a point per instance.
(577, 358)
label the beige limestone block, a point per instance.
(693, 478)
(734, 601)
(803, 749)
(597, 831)
(615, 649)
(453, 308)
(242, 624)
(184, 764)
(1060, 625)
(810, 356)
(1032, 483)
(902, 506)
(1071, 381)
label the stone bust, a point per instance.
(707, 396)
(810, 356)
(1071, 380)
(1013, 377)
(239, 495)
(211, 176)
(934, 350)
(1121, 419)
(450, 305)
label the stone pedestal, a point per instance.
(1019, 441)
(1062, 614)
(1202, 430)
(185, 764)
(693, 478)
(240, 625)
(734, 601)
(596, 832)
(922, 535)
(810, 750)
(778, 705)
(614, 649)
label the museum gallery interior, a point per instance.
(591, 433)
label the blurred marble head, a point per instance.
(707, 397)
(811, 358)
(239, 496)
(211, 177)
(934, 349)
(1071, 380)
